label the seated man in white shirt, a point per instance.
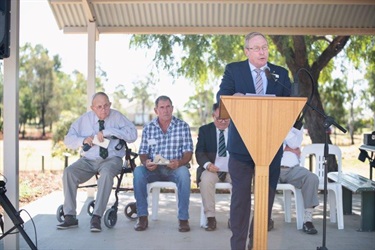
(291, 172)
(212, 157)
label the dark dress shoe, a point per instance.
(142, 224)
(211, 224)
(250, 244)
(270, 224)
(183, 226)
(308, 227)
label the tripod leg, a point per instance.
(15, 217)
(26, 237)
(1, 223)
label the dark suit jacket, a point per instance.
(237, 78)
(206, 148)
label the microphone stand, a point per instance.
(328, 121)
(14, 216)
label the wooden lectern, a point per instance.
(263, 123)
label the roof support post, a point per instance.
(91, 63)
(11, 124)
(91, 75)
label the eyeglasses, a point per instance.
(105, 106)
(220, 119)
(257, 49)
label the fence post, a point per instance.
(66, 163)
(42, 163)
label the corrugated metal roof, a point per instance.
(348, 17)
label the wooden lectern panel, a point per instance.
(263, 123)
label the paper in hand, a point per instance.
(222, 163)
(160, 160)
(103, 144)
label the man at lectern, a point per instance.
(250, 77)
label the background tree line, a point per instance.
(203, 58)
(51, 99)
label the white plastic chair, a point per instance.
(155, 187)
(288, 189)
(334, 188)
(219, 185)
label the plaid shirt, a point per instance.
(170, 145)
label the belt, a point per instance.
(284, 167)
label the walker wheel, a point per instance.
(110, 217)
(60, 214)
(131, 211)
(90, 207)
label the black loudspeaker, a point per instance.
(4, 28)
(369, 139)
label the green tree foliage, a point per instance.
(361, 53)
(202, 59)
(36, 84)
(309, 58)
(143, 94)
(71, 99)
(333, 99)
(59, 132)
(199, 107)
(46, 91)
(205, 55)
(119, 95)
(369, 93)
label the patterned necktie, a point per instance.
(222, 175)
(103, 152)
(222, 147)
(258, 83)
(222, 153)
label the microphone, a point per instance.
(275, 77)
(270, 75)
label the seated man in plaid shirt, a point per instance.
(165, 151)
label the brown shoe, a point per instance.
(211, 224)
(142, 224)
(183, 226)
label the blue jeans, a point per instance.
(180, 176)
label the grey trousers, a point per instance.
(305, 180)
(81, 171)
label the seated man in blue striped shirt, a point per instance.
(101, 123)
